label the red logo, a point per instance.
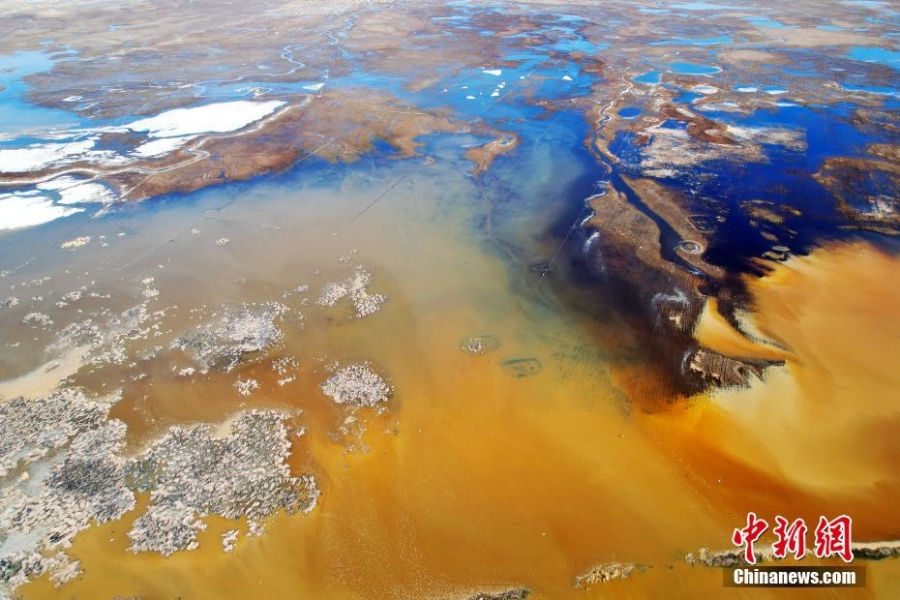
(791, 538)
(749, 535)
(832, 538)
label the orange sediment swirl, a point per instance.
(818, 435)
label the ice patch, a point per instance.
(40, 156)
(566, 78)
(27, 209)
(221, 117)
(74, 191)
(746, 89)
(315, 87)
(494, 72)
(160, 147)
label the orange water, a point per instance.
(472, 479)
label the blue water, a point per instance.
(686, 97)
(573, 19)
(564, 38)
(705, 6)
(552, 142)
(798, 73)
(17, 115)
(470, 93)
(673, 125)
(651, 78)
(869, 89)
(713, 41)
(783, 179)
(687, 68)
(875, 55)
(766, 22)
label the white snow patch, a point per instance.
(161, 146)
(221, 117)
(39, 156)
(315, 87)
(746, 89)
(470, 97)
(494, 72)
(566, 78)
(75, 191)
(27, 209)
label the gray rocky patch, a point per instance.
(300, 289)
(735, 557)
(37, 319)
(166, 529)
(286, 367)
(511, 594)
(69, 298)
(229, 539)
(875, 550)
(109, 344)
(357, 385)
(245, 387)
(605, 572)
(481, 344)
(190, 474)
(355, 289)
(221, 346)
(331, 293)
(722, 558)
(60, 470)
